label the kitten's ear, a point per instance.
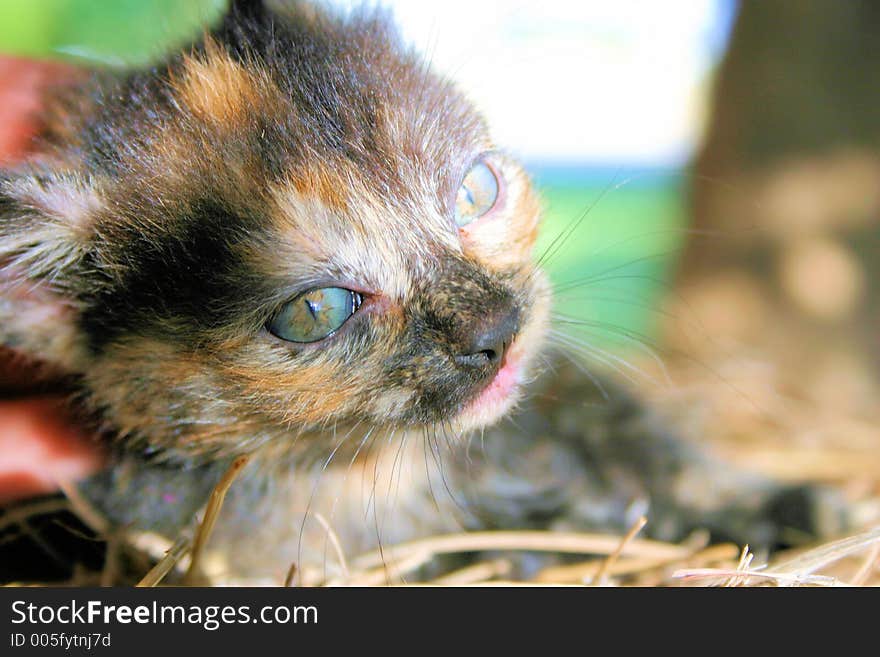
(46, 221)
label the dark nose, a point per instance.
(490, 341)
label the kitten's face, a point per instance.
(272, 236)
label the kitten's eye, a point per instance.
(315, 314)
(477, 194)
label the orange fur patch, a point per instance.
(323, 184)
(316, 399)
(218, 89)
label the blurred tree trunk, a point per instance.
(790, 165)
(785, 196)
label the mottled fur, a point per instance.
(172, 211)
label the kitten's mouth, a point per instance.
(499, 394)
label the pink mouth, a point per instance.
(493, 398)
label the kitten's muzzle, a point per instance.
(490, 342)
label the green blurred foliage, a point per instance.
(615, 265)
(104, 32)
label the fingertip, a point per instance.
(40, 445)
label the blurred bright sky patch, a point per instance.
(604, 82)
(597, 81)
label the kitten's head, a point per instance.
(293, 224)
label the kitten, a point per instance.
(294, 240)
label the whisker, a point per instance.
(348, 470)
(632, 338)
(562, 237)
(323, 469)
(603, 275)
(619, 365)
(394, 462)
(425, 440)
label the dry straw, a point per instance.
(608, 560)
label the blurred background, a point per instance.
(711, 176)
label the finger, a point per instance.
(41, 445)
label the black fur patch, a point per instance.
(180, 284)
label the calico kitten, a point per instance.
(294, 240)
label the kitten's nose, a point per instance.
(490, 341)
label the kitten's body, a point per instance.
(172, 211)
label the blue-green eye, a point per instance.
(477, 194)
(315, 314)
